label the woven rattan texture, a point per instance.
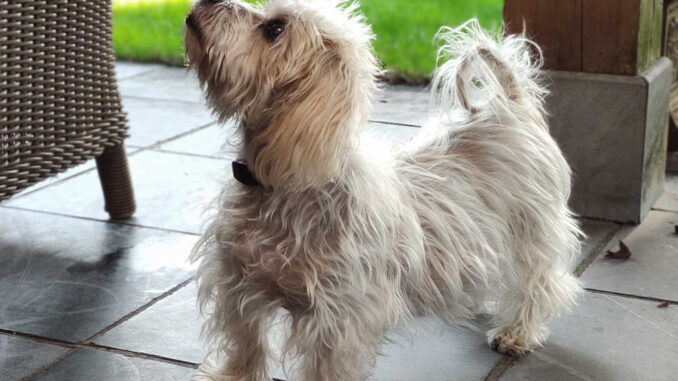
(59, 103)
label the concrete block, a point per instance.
(612, 129)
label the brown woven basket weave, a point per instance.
(59, 102)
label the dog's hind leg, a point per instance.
(539, 287)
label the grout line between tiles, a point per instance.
(173, 152)
(92, 346)
(181, 135)
(141, 355)
(502, 365)
(48, 365)
(586, 262)
(160, 99)
(133, 76)
(631, 296)
(139, 310)
(38, 339)
(394, 123)
(664, 210)
(116, 222)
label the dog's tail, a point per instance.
(479, 72)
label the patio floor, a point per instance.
(82, 298)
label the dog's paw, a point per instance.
(510, 342)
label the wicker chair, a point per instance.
(59, 102)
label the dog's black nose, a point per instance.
(212, 1)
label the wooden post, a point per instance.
(608, 97)
(554, 25)
(593, 36)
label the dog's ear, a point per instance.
(308, 127)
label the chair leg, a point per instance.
(116, 182)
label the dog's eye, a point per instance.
(273, 29)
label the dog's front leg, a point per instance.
(336, 341)
(240, 323)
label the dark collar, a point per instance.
(242, 173)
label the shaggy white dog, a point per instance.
(354, 240)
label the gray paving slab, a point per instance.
(651, 270)
(20, 358)
(216, 141)
(437, 353)
(171, 329)
(221, 140)
(127, 69)
(394, 104)
(152, 121)
(669, 199)
(606, 338)
(165, 83)
(401, 104)
(172, 191)
(91, 365)
(69, 278)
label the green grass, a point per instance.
(151, 30)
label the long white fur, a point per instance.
(472, 212)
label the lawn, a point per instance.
(151, 30)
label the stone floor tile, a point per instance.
(215, 141)
(152, 121)
(669, 199)
(606, 338)
(20, 358)
(165, 83)
(126, 69)
(68, 278)
(170, 328)
(91, 365)
(395, 104)
(172, 191)
(651, 270)
(401, 104)
(219, 140)
(437, 353)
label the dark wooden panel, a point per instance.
(610, 35)
(555, 25)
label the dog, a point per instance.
(352, 239)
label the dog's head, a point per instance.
(297, 74)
